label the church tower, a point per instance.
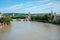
(13, 14)
(1, 15)
(51, 13)
(29, 16)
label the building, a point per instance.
(28, 17)
(56, 18)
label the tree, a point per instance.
(5, 19)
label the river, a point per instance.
(28, 30)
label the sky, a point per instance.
(34, 6)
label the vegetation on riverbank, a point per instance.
(34, 17)
(47, 17)
(42, 18)
(5, 19)
(18, 17)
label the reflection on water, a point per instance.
(4, 29)
(26, 30)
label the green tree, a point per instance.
(5, 19)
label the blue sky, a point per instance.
(34, 6)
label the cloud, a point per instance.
(19, 6)
(44, 6)
(14, 7)
(2, 10)
(40, 8)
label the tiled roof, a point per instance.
(57, 14)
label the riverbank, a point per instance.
(5, 21)
(48, 22)
(3, 25)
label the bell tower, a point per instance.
(29, 16)
(0, 14)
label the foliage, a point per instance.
(5, 19)
(45, 17)
(18, 17)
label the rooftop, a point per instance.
(57, 14)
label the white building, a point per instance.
(56, 18)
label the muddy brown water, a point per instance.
(28, 30)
